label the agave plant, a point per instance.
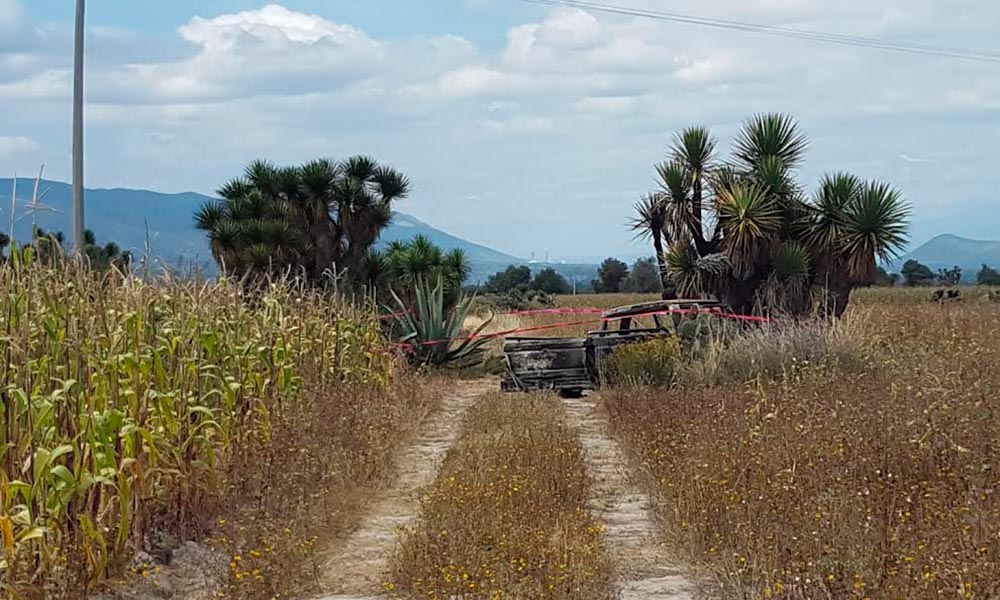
(771, 246)
(433, 332)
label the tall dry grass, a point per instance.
(604, 300)
(819, 481)
(507, 518)
(135, 414)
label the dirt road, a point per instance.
(645, 570)
(353, 568)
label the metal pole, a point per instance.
(78, 225)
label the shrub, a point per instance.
(650, 362)
(515, 300)
(773, 351)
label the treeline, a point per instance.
(915, 273)
(613, 276)
(50, 247)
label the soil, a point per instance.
(353, 569)
(195, 572)
(645, 568)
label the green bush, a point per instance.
(650, 362)
(514, 300)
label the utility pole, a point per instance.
(78, 225)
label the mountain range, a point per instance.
(947, 251)
(131, 217)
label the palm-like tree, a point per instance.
(320, 218)
(772, 246)
(403, 265)
(694, 149)
(650, 222)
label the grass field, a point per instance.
(847, 460)
(869, 472)
(507, 516)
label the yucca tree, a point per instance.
(773, 247)
(651, 223)
(402, 265)
(316, 219)
(694, 150)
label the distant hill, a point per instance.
(122, 215)
(946, 251)
(404, 227)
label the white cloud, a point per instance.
(54, 83)
(577, 104)
(274, 25)
(12, 145)
(519, 125)
(482, 81)
(607, 105)
(915, 160)
(572, 29)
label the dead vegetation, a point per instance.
(141, 415)
(812, 480)
(507, 517)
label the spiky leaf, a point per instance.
(749, 220)
(876, 224)
(774, 135)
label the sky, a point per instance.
(531, 129)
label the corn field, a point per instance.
(128, 403)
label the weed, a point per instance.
(817, 481)
(649, 362)
(507, 516)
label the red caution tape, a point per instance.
(679, 311)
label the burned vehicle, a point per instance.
(572, 366)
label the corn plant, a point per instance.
(125, 402)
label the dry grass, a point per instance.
(878, 481)
(918, 295)
(730, 355)
(604, 300)
(314, 479)
(506, 518)
(137, 414)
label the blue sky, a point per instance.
(380, 18)
(527, 128)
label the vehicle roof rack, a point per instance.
(661, 306)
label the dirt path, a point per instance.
(644, 569)
(353, 570)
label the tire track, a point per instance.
(353, 569)
(645, 570)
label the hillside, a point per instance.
(123, 215)
(946, 251)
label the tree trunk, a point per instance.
(741, 295)
(841, 298)
(324, 240)
(703, 246)
(667, 283)
(838, 291)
